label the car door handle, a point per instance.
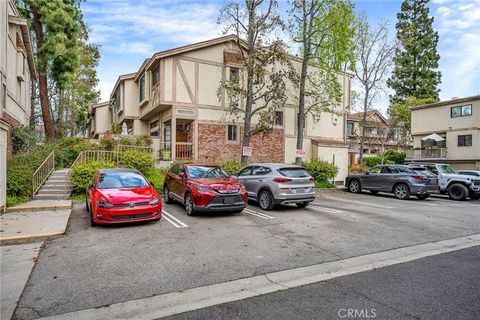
(260, 180)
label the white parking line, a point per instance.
(359, 202)
(258, 214)
(174, 221)
(324, 209)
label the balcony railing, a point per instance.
(184, 150)
(433, 153)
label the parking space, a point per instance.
(92, 267)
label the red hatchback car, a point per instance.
(122, 195)
(204, 187)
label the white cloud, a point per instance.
(458, 23)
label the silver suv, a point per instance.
(270, 184)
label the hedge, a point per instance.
(83, 173)
(372, 161)
(231, 166)
(140, 160)
(321, 171)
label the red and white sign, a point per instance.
(300, 153)
(247, 151)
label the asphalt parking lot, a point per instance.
(94, 267)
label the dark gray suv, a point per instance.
(400, 180)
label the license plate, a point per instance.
(229, 200)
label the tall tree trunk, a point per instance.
(42, 79)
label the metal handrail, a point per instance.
(97, 155)
(42, 172)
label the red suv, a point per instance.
(204, 187)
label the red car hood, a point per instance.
(123, 195)
(220, 183)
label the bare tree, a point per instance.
(374, 60)
(259, 87)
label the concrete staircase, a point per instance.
(54, 187)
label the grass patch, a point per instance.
(80, 197)
(324, 184)
(14, 200)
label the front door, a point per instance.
(184, 139)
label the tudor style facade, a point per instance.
(173, 97)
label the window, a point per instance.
(461, 111)
(278, 118)
(234, 74)
(261, 171)
(350, 128)
(465, 140)
(142, 89)
(375, 170)
(246, 172)
(116, 104)
(205, 172)
(232, 132)
(115, 180)
(155, 76)
(154, 128)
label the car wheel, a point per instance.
(373, 191)
(422, 196)
(457, 191)
(92, 222)
(189, 206)
(265, 200)
(86, 205)
(474, 196)
(401, 191)
(354, 186)
(302, 204)
(166, 195)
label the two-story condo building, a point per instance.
(174, 98)
(447, 132)
(17, 69)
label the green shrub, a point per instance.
(14, 200)
(140, 160)
(116, 128)
(372, 161)
(144, 140)
(108, 144)
(321, 171)
(83, 173)
(324, 184)
(394, 156)
(231, 166)
(157, 177)
(23, 139)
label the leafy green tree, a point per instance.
(400, 113)
(57, 26)
(416, 59)
(324, 31)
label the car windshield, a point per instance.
(446, 169)
(199, 172)
(293, 172)
(114, 180)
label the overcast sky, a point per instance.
(128, 31)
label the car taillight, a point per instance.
(282, 180)
(419, 177)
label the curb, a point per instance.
(5, 241)
(33, 208)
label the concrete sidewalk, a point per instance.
(34, 221)
(16, 264)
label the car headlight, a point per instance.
(203, 189)
(154, 201)
(104, 204)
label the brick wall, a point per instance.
(212, 145)
(12, 122)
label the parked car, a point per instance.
(204, 187)
(475, 173)
(122, 195)
(400, 180)
(272, 184)
(457, 186)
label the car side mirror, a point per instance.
(367, 172)
(182, 175)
